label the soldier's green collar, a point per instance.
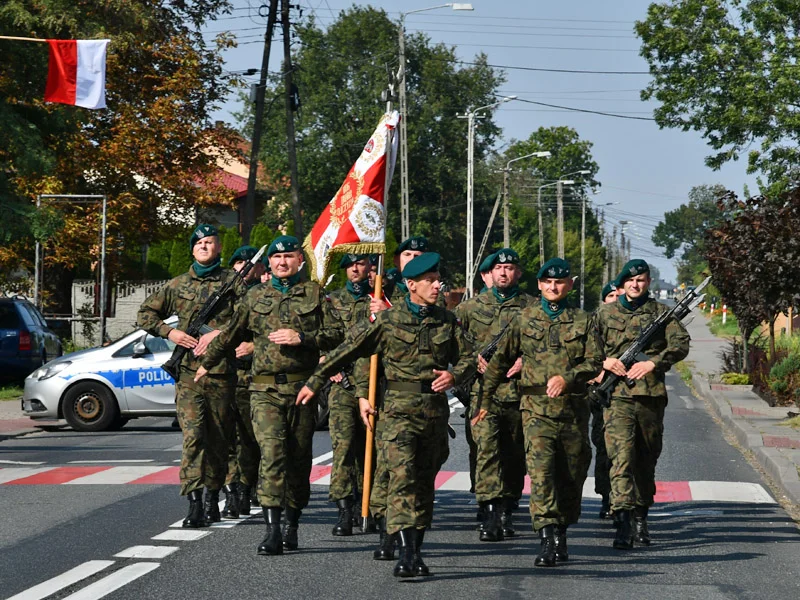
(506, 293)
(632, 305)
(203, 271)
(284, 285)
(359, 289)
(553, 309)
(418, 310)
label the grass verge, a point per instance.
(10, 392)
(794, 422)
(684, 370)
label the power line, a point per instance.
(586, 110)
(538, 69)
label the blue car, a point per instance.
(26, 342)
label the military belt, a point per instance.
(533, 390)
(281, 378)
(419, 387)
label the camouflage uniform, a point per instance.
(500, 453)
(602, 464)
(283, 431)
(348, 436)
(204, 408)
(556, 429)
(414, 429)
(634, 424)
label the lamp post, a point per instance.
(558, 183)
(470, 116)
(506, 171)
(405, 226)
(583, 244)
(560, 211)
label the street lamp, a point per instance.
(560, 210)
(506, 171)
(405, 227)
(558, 184)
(470, 116)
(583, 242)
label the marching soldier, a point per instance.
(204, 409)
(244, 453)
(560, 353)
(635, 420)
(500, 457)
(416, 340)
(290, 322)
(602, 466)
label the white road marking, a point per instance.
(109, 462)
(116, 475)
(687, 401)
(20, 462)
(175, 448)
(181, 535)
(729, 491)
(588, 489)
(459, 481)
(322, 458)
(148, 552)
(20, 472)
(113, 582)
(66, 579)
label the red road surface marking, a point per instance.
(58, 475)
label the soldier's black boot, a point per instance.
(480, 516)
(290, 528)
(506, 519)
(211, 506)
(408, 541)
(244, 500)
(624, 538)
(195, 518)
(420, 568)
(605, 508)
(273, 542)
(231, 508)
(642, 535)
(385, 550)
(492, 530)
(562, 553)
(547, 556)
(344, 526)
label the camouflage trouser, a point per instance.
(284, 433)
(500, 459)
(244, 454)
(634, 435)
(380, 476)
(412, 447)
(602, 464)
(473, 449)
(348, 438)
(558, 456)
(204, 414)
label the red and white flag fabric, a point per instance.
(354, 220)
(76, 73)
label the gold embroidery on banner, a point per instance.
(369, 220)
(348, 195)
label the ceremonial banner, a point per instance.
(76, 73)
(353, 221)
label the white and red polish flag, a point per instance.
(76, 73)
(354, 221)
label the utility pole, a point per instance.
(583, 247)
(506, 226)
(297, 215)
(249, 212)
(541, 227)
(405, 226)
(470, 191)
(560, 218)
(615, 267)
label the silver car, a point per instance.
(102, 388)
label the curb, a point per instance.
(781, 469)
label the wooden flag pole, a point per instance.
(22, 39)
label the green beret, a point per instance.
(373, 259)
(413, 243)
(419, 265)
(487, 264)
(349, 259)
(607, 289)
(243, 253)
(555, 268)
(202, 231)
(392, 275)
(632, 268)
(285, 243)
(505, 256)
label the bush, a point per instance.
(784, 378)
(735, 378)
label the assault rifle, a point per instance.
(601, 394)
(197, 325)
(487, 354)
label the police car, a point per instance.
(102, 388)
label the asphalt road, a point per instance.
(70, 531)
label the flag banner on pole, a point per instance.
(76, 73)
(353, 221)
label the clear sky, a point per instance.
(644, 170)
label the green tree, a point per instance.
(340, 73)
(728, 70)
(231, 240)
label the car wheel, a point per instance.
(90, 406)
(323, 411)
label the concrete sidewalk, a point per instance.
(14, 423)
(756, 425)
